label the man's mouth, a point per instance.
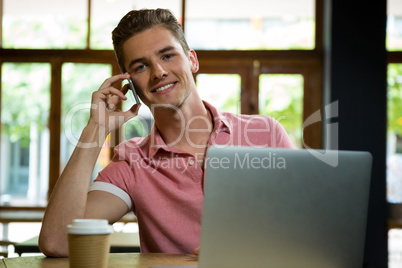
(164, 87)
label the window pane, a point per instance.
(394, 25)
(139, 126)
(220, 90)
(44, 24)
(107, 14)
(25, 105)
(281, 97)
(254, 24)
(394, 248)
(77, 91)
(394, 134)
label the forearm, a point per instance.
(69, 196)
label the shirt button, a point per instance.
(191, 162)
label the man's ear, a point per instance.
(193, 61)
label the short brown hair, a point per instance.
(137, 21)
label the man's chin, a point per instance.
(169, 104)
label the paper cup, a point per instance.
(89, 243)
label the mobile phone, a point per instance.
(131, 86)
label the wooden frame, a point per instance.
(56, 58)
(249, 64)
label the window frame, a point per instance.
(56, 58)
(248, 64)
(394, 220)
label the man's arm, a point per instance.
(70, 199)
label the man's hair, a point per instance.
(137, 21)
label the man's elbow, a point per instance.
(52, 247)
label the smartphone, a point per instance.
(131, 86)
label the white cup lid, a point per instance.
(89, 226)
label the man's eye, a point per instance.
(167, 56)
(140, 68)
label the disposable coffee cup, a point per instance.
(89, 243)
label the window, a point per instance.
(76, 102)
(80, 31)
(394, 134)
(106, 14)
(53, 58)
(139, 126)
(24, 147)
(394, 25)
(394, 131)
(222, 90)
(28, 24)
(281, 97)
(394, 157)
(254, 24)
(104, 17)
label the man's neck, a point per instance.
(187, 127)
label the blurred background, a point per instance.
(256, 57)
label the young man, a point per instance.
(159, 177)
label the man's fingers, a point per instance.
(114, 93)
(133, 112)
(112, 97)
(109, 95)
(125, 89)
(110, 82)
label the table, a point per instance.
(116, 260)
(119, 242)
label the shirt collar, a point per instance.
(221, 122)
(156, 142)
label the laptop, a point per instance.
(269, 207)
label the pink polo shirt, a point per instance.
(164, 186)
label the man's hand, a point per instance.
(103, 109)
(196, 251)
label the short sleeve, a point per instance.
(116, 178)
(110, 188)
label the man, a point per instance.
(159, 177)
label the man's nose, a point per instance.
(158, 71)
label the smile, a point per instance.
(164, 87)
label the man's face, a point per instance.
(160, 69)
